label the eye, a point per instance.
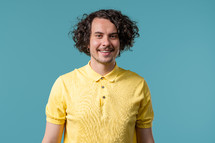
(114, 36)
(98, 35)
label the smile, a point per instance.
(105, 51)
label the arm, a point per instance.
(144, 135)
(53, 133)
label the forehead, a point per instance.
(102, 25)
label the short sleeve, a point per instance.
(145, 114)
(56, 106)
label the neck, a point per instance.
(101, 68)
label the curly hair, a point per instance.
(127, 29)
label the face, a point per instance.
(104, 42)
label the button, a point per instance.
(103, 97)
(102, 77)
(103, 87)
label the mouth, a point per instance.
(105, 52)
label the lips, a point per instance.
(106, 51)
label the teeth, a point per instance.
(105, 51)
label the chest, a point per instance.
(103, 101)
(103, 109)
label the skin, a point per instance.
(104, 48)
(104, 45)
(144, 135)
(53, 133)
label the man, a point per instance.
(101, 102)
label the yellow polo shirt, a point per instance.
(100, 109)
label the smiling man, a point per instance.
(104, 45)
(101, 102)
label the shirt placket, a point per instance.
(103, 94)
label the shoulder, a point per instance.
(127, 74)
(71, 76)
(131, 78)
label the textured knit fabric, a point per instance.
(100, 109)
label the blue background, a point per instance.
(175, 54)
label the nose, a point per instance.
(106, 41)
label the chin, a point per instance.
(106, 61)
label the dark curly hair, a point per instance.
(127, 29)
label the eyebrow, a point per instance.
(98, 33)
(103, 33)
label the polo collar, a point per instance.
(111, 76)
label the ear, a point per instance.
(88, 48)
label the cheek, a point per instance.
(94, 43)
(116, 44)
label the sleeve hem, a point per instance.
(53, 121)
(149, 125)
